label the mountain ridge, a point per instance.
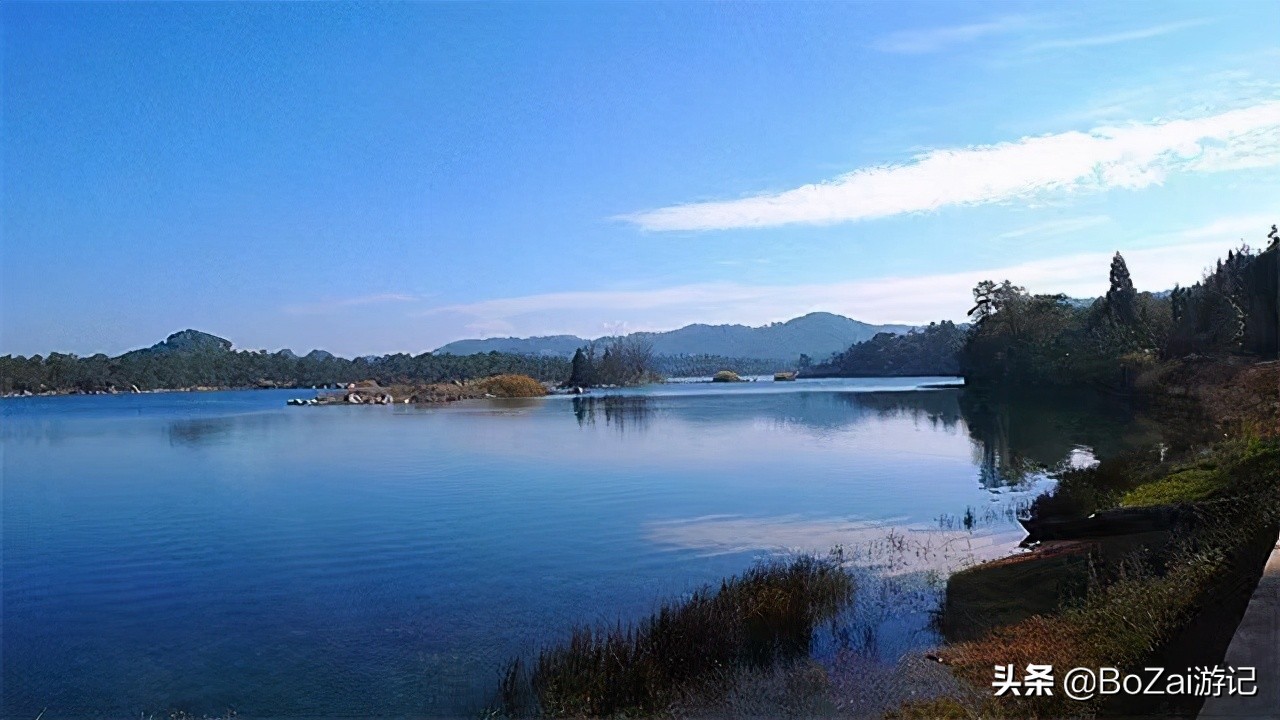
(816, 334)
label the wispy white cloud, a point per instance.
(1117, 37)
(1230, 83)
(917, 299)
(931, 40)
(738, 262)
(1054, 228)
(327, 306)
(1250, 228)
(1132, 157)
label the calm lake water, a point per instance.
(207, 551)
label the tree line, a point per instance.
(1024, 339)
(931, 350)
(1013, 337)
(625, 360)
(705, 365)
(191, 359)
(1016, 337)
(630, 360)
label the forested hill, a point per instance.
(817, 335)
(191, 359)
(931, 350)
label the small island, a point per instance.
(369, 392)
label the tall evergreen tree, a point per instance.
(580, 375)
(1122, 298)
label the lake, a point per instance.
(214, 551)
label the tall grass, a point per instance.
(764, 617)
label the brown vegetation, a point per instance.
(497, 386)
(510, 386)
(1235, 393)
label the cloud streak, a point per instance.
(1054, 228)
(937, 39)
(328, 306)
(912, 300)
(1129, 157)
(1116, 38)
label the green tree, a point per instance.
(580, 372)
(1122, 298)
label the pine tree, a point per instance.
(1122, 298)
(580, 375)
(1177, 303)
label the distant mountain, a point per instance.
(191, 341)
(817, 335)
(194, 342)
(552, 345)
(1082, 303)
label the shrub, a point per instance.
(511, 386)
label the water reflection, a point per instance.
(624, 412)
(219, 430)
(1016, 439)
(939, 408)
(295, 555)
(201, 431)
(812, 411)
(1019, 437)
(888, 546)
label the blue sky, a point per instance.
(391, 177)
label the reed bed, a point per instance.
(760, 619)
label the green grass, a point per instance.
(1180, 487)
(1083, 491)
(764, 617)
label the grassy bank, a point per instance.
(760, 619)
(1148, 559)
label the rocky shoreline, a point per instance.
(135, 390)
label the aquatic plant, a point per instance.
(764, 617)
